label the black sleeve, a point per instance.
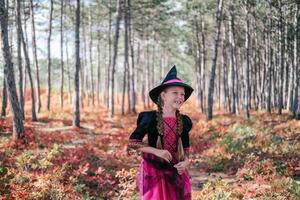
(187, 126)
(136, 137)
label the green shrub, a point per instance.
(292, 187)
(217, 190)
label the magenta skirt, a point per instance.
(159, 180)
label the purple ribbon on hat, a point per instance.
(173, 81)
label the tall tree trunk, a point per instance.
(4, 99)
(126, 84)
(35, 60)
(18, 128)
(132, 68)
(203, 67)
(270, 66)
(84, 67)
(76, 108)
(49, 57)
(98, 71)
(296, 102)
(19, 56)
(198, 61)
(214, 60)
(61, 55)
(147, 88)
(108, 80)
(113, 68)
(92, 92)
(282, 51)
(247, 67)
(232, 82)
(263, 87)
(4, 89)
(68, 68)
(27, 64)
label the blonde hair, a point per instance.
(160, 129)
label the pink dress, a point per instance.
(159, 180)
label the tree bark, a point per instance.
(203, 67)
(247, 67)
(132, 68)
(98, 68)
(114, 60)
(214, 61)
(27, 63)
(296, 102)
(232, 89)
(19, 56)
(35, 60)
(61, 55)
(270, 67)
(49, 57)
(126, 84)
(92, 88)
(109, 57)
(68, 68)
(18, 128)
(76, 108)
(4, 100)
(282, 50)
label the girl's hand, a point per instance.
(164, 154)
(181, 166)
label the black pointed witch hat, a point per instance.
(170, 80)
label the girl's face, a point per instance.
(173, 97)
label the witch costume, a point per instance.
(158, 179)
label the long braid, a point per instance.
(179, 129)
(160, 122)
(160, 129)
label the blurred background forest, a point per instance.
(73, 75)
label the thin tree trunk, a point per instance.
(263, 87)
(113, 68)
(19, 58)
(132, 68)
(49, 57)
(247, 67)
(232, 60)
(27, 64)
(35, 60)
(214, 61)
(147, 89)
(84, 67)
(91, 63)
(4, 99)
(61, 55)
(98, 70)
(198, 61)
(126, 84)
(18, 128)
(108, 80)
(282, 50)
(296, 102)
(76, 108)
(270, 67)
(68, 68)
(203, 67)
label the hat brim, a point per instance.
(155, 92)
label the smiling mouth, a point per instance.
(178, 102)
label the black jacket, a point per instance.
(146, 124)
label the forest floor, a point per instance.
(231, 158)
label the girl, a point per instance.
(163, 171)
